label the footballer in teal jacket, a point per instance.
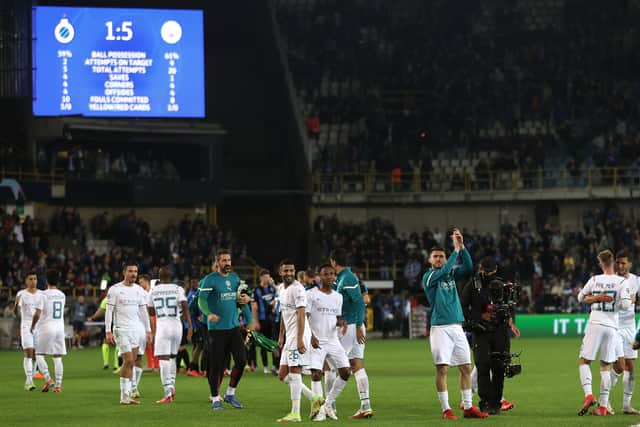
(440, 287)
(353, 306)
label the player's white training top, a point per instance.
(52, 305)
(165, 299)
(27, 304)
(627, 318)
(145, 297)
(291, 298)
(126, 302)
(605, 313)
(323, 311)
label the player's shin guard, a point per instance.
(28, 369)
(165, 372)
(125, 388)
(137, 374)
(605, 387)
(585, 379)
(58, 369)
(474, 380)
(172, 373)
(44, 368)
(628, 382)
(329, 378)
(362, 381)
(614, 378)
(338, 386)
(295, 385)
(316, 388)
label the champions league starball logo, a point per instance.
(64, 31)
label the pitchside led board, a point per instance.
(104, 62)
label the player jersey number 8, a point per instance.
(57, 310)
(608, 307)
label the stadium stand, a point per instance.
(529, 86)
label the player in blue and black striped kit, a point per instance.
(449, 345)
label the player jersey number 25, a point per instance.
(166, 306)
(606, 307)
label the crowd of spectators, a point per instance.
(410, 84)
(551, 263)
(186, 247)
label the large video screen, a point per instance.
(104, 62)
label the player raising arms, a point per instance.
(126, 305)
(27, 300)
(449, 345)
(607, 294)
(324, 307)
(167, 301)
(49, 319)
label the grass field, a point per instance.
(401, 375)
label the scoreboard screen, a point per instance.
(105, 62)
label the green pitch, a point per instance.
(401, 375)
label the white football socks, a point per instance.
(28, 370)
(58, 369)
(605, 386)
(316, 388)
(362, 381)
(338, 386)
(585, 379)
(295, 384)
(628, 383)
(44, 368)
(443, 397)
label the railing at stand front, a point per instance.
(476, 181)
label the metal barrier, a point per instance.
(475, 181)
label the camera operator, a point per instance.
(490, 319)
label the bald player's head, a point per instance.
(164, 275)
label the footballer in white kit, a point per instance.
(48, 327)
(601, 334)
(26, 301)
(607, 294)
(293, 297)
(129, 309)
(323, 311)
(168, 302)
(294, 338)
(126, 310)
(324, 308)
(627, 321)
(627, 355)
(50, 330)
